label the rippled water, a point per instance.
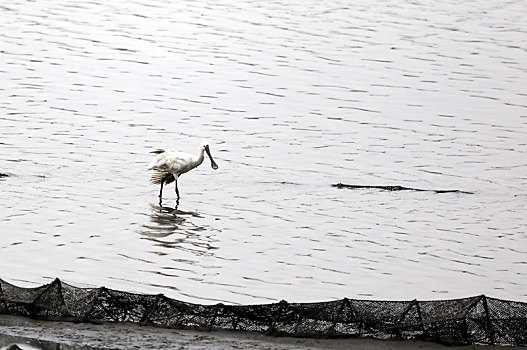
(293, 96)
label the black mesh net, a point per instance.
(475, 320)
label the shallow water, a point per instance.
(293, 96)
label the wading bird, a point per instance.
(168, 165)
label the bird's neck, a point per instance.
(199, 158)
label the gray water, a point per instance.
(293, 96)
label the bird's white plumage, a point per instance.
(175, 163)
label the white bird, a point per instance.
(168, 165)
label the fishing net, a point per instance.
(475, 320)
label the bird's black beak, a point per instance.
(212, 162)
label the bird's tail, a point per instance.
(157, 176)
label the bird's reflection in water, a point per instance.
(170, 227)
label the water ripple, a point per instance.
(293, 96)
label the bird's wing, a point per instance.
(172, 161)
(177, 160)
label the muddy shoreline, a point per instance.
(47, 335)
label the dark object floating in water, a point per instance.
(396, 188)
(3, 175)
(474, 320)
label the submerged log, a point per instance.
(395, 188)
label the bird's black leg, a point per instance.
(161, 193)
(177, 191)
(161, 190)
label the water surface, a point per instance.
(293, 96)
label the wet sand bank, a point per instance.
(33, 334)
